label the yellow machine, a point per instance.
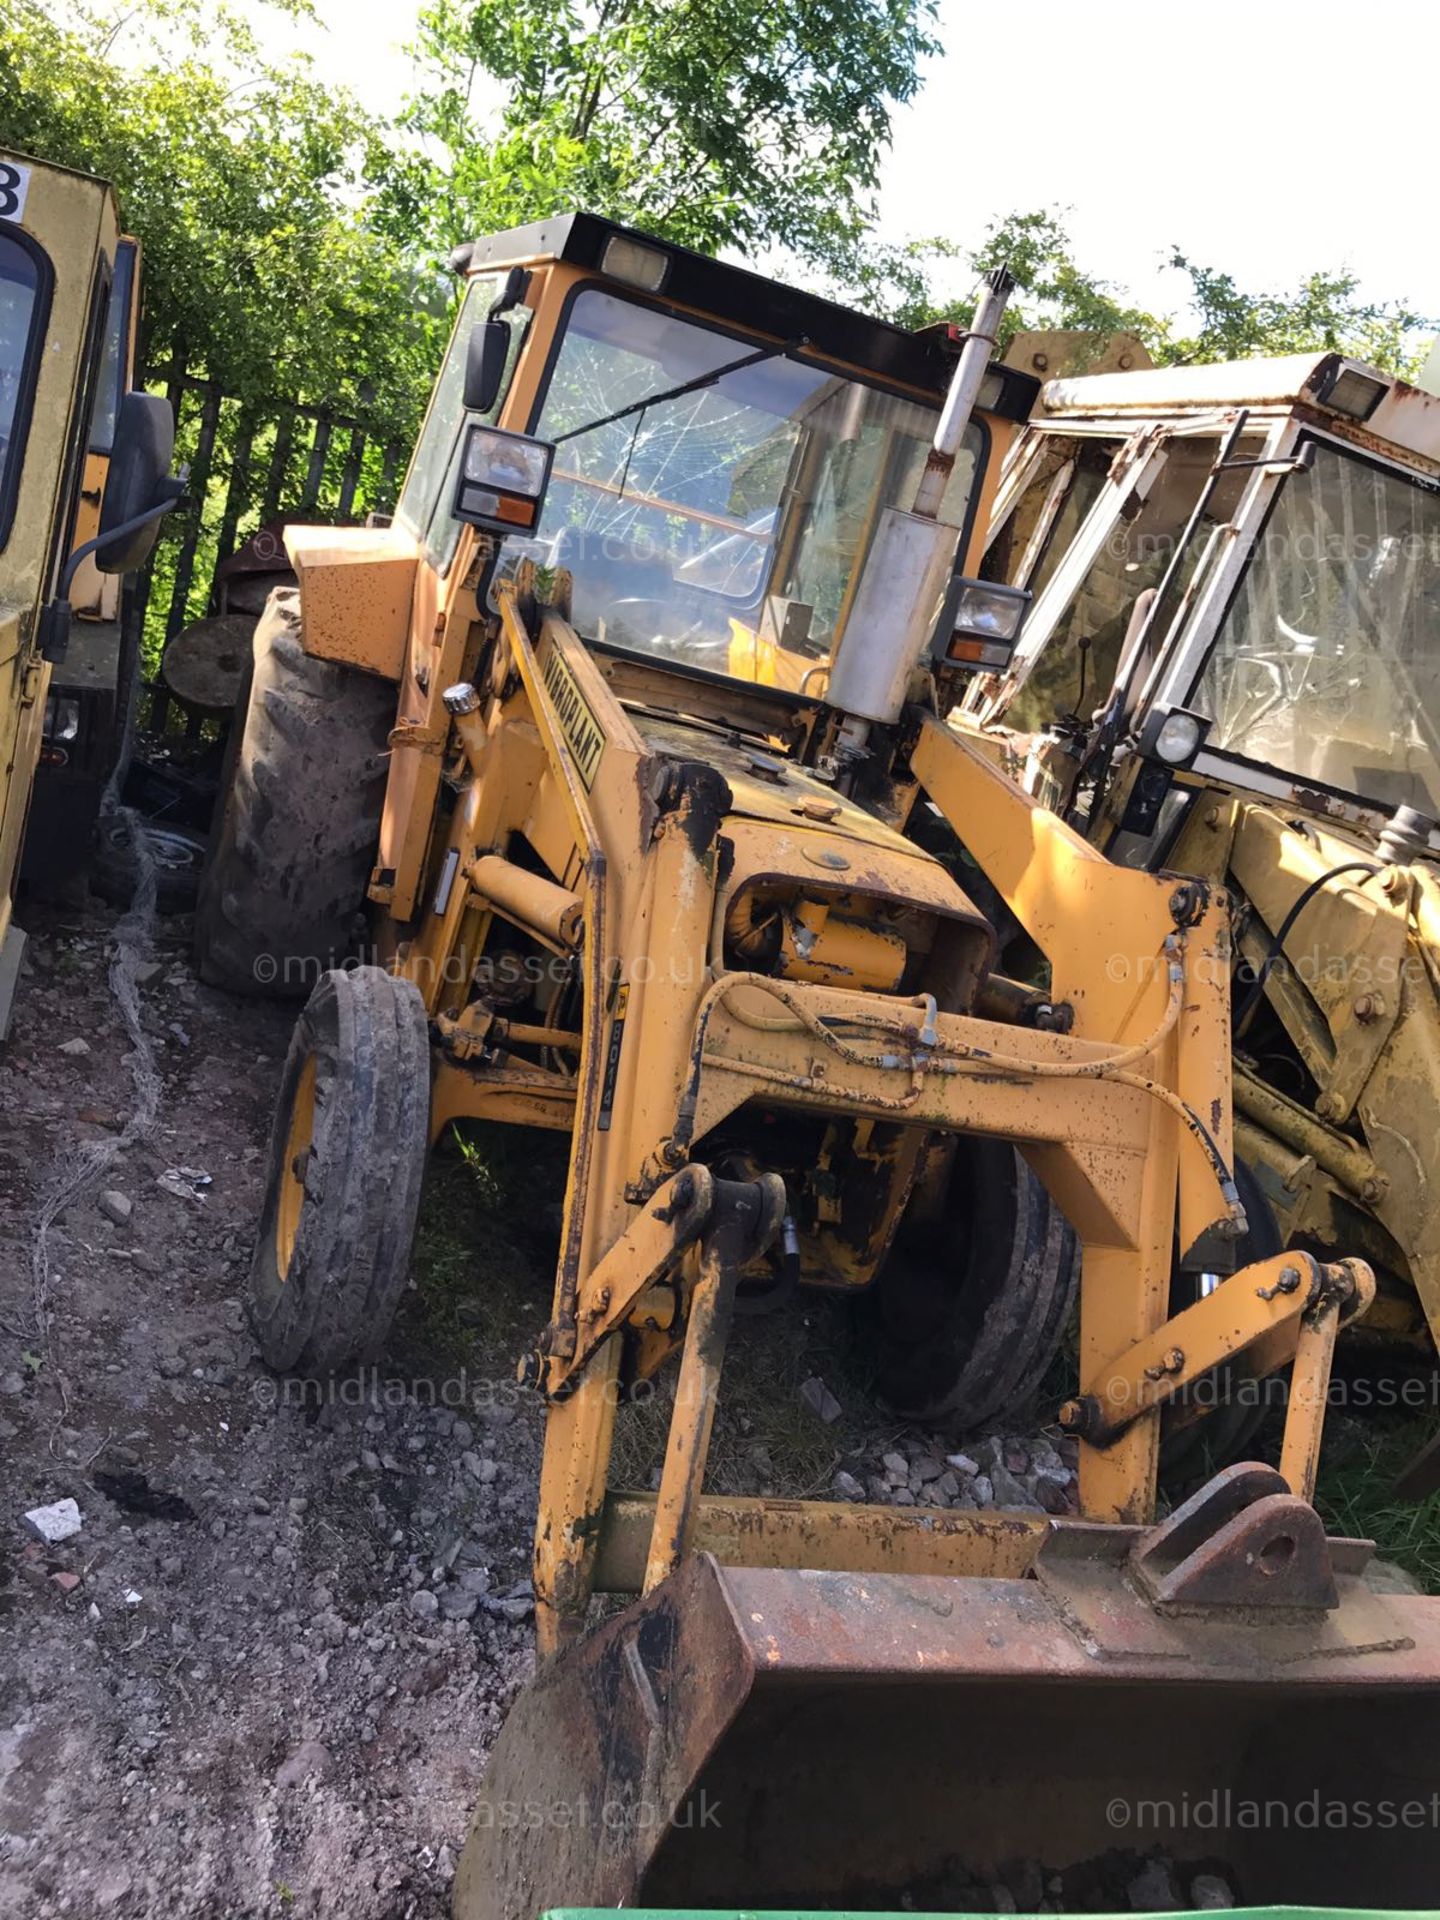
(60, 254)
(631, 729)
(1229, 672)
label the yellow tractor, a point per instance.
(83, 485)
(630, 731)
(1229, 671)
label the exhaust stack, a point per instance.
(912, 556)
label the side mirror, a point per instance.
(486, 352)
(139, 479)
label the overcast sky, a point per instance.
(1264, 137)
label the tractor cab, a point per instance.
(1230, 671)
(1235, 570)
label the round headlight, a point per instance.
(1178, 739)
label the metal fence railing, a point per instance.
(249, 466)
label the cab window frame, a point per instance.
(30, 366)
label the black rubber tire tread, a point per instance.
(113, 872)
(991, 1322)
(296, 824)
(368, 1034)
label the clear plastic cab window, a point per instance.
(20, 287)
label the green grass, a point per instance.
(486, 1246)
(1356, 1492)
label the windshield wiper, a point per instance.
(697, 385)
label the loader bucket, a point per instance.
(757, 1738)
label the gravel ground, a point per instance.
(263, 1675)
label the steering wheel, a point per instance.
(662, 628)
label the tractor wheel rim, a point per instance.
(298, 1139)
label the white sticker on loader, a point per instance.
(14, 185)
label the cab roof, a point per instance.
(1353, 398)
(923, 359)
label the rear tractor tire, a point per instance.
(968, 1316)
(296, 822)
(347, 1162)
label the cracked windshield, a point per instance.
(1326, 666)
(722, 527)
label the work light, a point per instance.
(503, 477)
(981, 625)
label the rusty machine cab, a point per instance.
(1230, 670)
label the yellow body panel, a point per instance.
(356, 586)
(72, 219)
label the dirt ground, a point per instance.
(263, 1676)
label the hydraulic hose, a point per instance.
(1282, 933)
(934, 1056)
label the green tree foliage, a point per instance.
(718, 123)
(1326, 312)
(249, 185)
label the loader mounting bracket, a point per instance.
(1241, 1576)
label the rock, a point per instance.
(423, 1604)
(1016, 1456)
(116, 1206)
(847, 1486)
(1050, 1491)
(897, 1468)
(516, 1608)
(926, 1469)
(56, 1522)
(962, 1463)
(462, 1433)
(369, 1461)
(1208, 1893)
(981, 1491)
(185, 1183)
(11, 1383)
(75, 1048)
(1154, 1890)
(948, 1485)
(815, 1395)
(1025, 1880)
(456, 1603)
(309, 1761)
(1007, 1491)
(480, 1467)
(66, 1582)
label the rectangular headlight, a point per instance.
(983, 626)
(627, 260)
(503, 477)
(1354, 393)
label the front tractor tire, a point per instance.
(347, 1162)
(296, 822)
